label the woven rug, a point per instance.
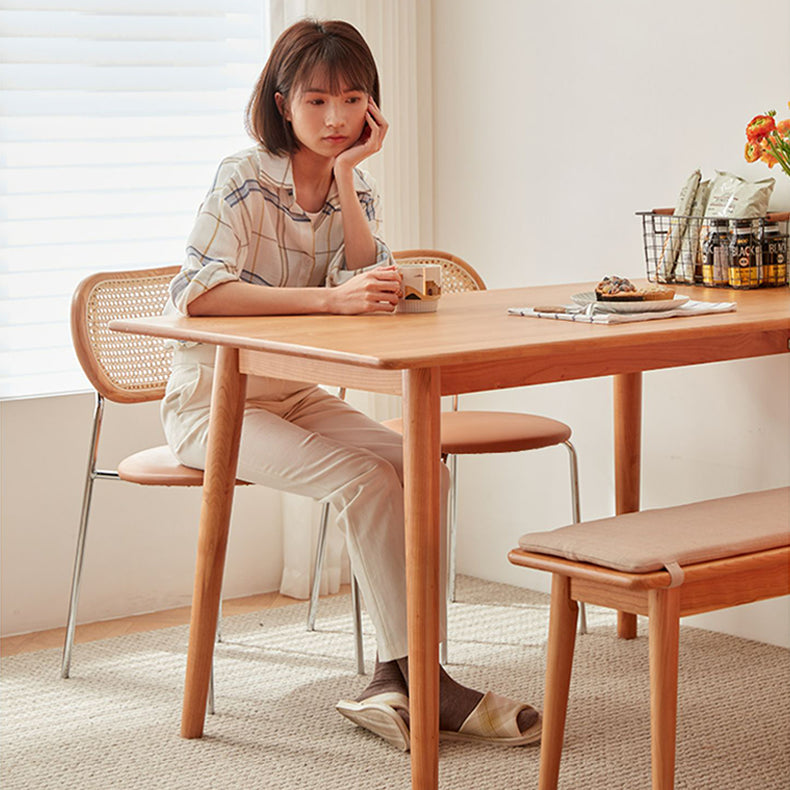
(115, 723)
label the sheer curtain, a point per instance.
(399, 35)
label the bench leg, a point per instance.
(664, 614)
(559, 660)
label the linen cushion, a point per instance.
(650, 540)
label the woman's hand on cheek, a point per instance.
(375, 291)
(369, 142)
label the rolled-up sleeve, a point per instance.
(216, 247)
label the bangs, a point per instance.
(332, 65)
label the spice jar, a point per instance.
(773, 244)
(716, 254)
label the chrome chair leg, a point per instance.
(452, 526)
(318, 567)
(356, 610)
(452, 462)
(87, 495)
(452, 530)
(210, 704)
(576, 517)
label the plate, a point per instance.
(654, 306)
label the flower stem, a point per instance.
(779, 154)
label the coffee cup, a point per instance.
(421, 287)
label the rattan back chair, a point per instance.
(123, 368)
(126, 368)
(464, 432)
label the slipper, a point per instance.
(379, 714)
(494, 720)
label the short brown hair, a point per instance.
(334, 47)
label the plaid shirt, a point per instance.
(250, 228)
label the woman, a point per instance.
(283, 220)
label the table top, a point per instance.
(474, 326)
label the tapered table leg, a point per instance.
(422, 492)
(559, 660)
(664, 625)
(627, 462)
(227, 403)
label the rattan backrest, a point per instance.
(457, 274)
(122, 367)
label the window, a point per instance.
(114, 115)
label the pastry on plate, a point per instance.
(621, 289)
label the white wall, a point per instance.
(554, 123)
(141, 543)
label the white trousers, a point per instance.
(296, 437)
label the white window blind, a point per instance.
(113, 117)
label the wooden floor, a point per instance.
(90, 632)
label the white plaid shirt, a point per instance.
(250, 228)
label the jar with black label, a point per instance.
(745, 256)
(716, 254)
(774, 248)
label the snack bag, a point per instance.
(733, 196)
(677, 228)
(689, 259)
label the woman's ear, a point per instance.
(281, 106)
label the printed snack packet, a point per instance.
(733, 196)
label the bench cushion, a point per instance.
(654, 539)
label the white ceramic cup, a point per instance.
(422, 287)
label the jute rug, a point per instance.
(115, 723)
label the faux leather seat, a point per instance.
(474, 432)
(157, 466)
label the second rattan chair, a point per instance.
(464, 432)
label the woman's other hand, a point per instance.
(369, 142)
(377, 290)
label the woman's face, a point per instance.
(326, 123)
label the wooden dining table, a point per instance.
(470, 344)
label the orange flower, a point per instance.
(766, 155)
(768, 141)
(759, 127)
(752, 152)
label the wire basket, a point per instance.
(716, 252)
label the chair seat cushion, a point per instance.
(653, 539)
(470, 432)
(157, 466)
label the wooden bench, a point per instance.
(664, 564)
